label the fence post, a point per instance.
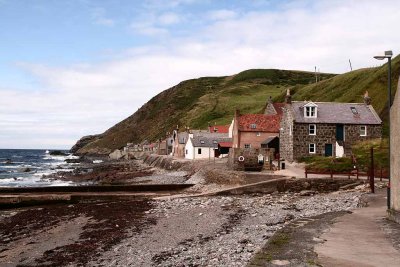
(372, 175)
(331, 174)
(305, 170)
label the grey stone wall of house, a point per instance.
(326, 134)
(286, 140)
(352, 135)
(395, 155)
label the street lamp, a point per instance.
(388, 55)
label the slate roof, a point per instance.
(268, 140)
(218, 128)
(331, 112)
(264, 123)
(209, 139)
(183, 137)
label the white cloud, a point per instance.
(169, 18)
(98, 17)
(89, 98)
(222, 14)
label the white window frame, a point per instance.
(309, 129)
(247, 145)
(253, 126)
(363, 130)
(290, 129)
(310, 110)
(258, 134)
(310, 150)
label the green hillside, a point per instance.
(196, 102)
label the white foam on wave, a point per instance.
(97, 161)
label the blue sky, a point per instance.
(72, 68)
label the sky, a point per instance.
(77, 67)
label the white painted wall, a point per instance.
(339, 150)
(189, 149)
(230, 134)
(206, 152)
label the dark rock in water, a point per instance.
(26, 170)
(58, 153)
(73, 160)
(8, 161)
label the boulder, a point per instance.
(73, 160)
(117, 154)
(57, 153)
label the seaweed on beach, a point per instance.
(109, 223)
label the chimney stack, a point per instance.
(367, 99)
(288, 97)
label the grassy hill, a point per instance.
(197, 102)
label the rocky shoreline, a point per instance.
(218, 231)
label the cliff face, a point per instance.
(83, 142)
(197, 102)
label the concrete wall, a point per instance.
(395, 154)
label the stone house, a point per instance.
(252, 130)
(394, 211)
(326, 128)
(179, 143)
(164, 146)
(201, 145)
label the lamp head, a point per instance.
(388, 54)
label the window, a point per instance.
(290, 129)
(199, 151)
(247, 146)
(363, 130)
(312, 129)
(258, 134)
(310, 112)
(202, 141)
(354, 110)
(215, 142)
(253, 126)
(311, 148)
(186, 151)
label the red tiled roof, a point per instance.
(278, 107)
(225, 144)
(218, 129)
(264, 123)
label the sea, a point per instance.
(28, 168)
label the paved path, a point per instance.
(358, 239)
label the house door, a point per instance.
(339, 132)
(328, 150)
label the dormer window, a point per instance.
(202, 142)
(253, 126)
(310, 110)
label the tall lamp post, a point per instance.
(388, 55)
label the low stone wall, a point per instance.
(322, 185)
(250, 158)
(161, 161)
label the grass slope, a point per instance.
(196, 102)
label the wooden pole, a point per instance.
(372, 175)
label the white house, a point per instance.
(203, 145)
